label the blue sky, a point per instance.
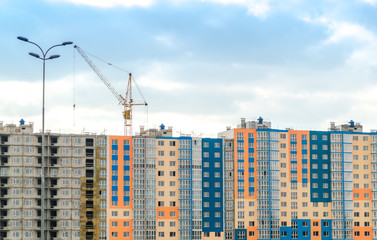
(201, 65)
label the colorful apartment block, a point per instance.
(252, 182)
(291, 184)
(213, 189)
(120, 213)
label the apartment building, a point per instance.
(252, 182)
(213, 189)
(69, 181)
(164, 186)
(291, 184)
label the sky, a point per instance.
(200, 64)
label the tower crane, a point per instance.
(126, 102)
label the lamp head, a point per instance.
(34, 55)
(54, 56)
(67, 43)
(23, 39)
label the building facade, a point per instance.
(71, 194)
(252, 182)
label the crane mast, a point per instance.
(126, 102)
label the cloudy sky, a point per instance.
(201, 64)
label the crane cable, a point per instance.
(74, 87)
(133, 79)
(121, 69)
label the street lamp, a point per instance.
(43, 122)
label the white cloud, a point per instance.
(258, 8)
(372, 2)
(344, 30)
(109, 3)
(161, 85)
(158, 78)
(365, 56)
(166, 40)
(340, 31)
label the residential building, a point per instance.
(71, 209)
(252, 182)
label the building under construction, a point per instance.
(75, 180)
(252, 182)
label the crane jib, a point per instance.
(127, 101)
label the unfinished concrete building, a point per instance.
(71, 163)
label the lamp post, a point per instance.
(43, 58)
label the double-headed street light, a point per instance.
(43, 122)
